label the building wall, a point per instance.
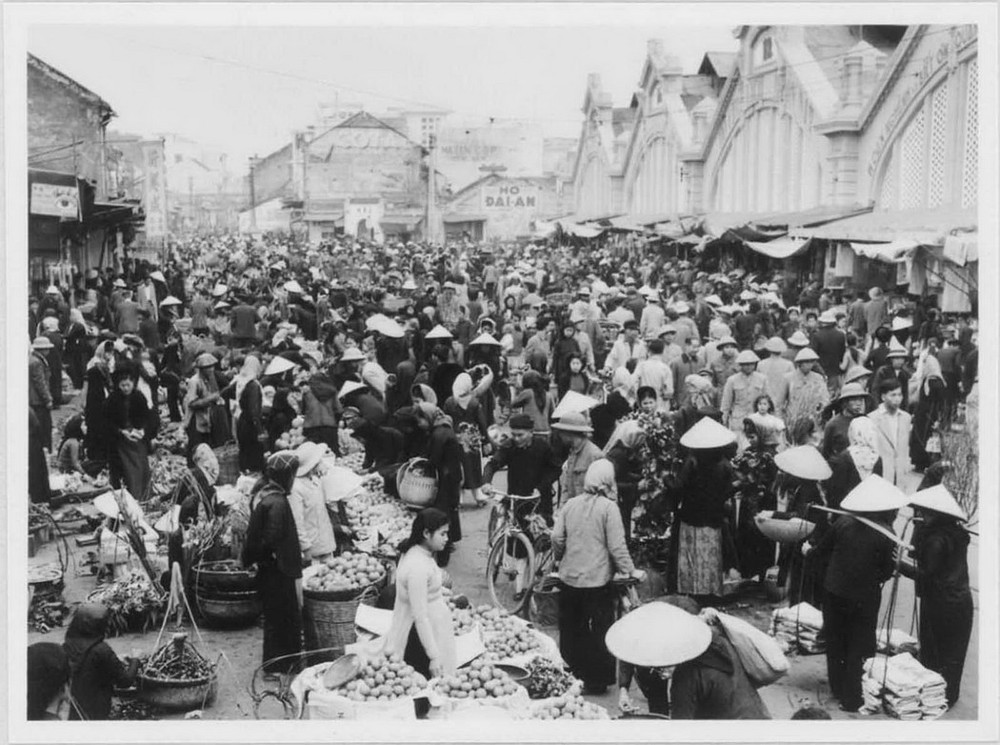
(764, 155)
(920, 148)
(463, 148)
(57, 117)
(510, 205)
(269, 216)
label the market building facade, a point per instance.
(798, 146)
(76, 221)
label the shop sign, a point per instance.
(155, 188)
(55, 200)
(510, 196)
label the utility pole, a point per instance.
(253, 198)
(432, 231)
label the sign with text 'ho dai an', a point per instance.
(512, 196)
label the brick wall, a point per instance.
(59, 116)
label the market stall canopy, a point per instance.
(891, 253)
(927, 227)
(582, 231)
(780, 248)
(756, 226)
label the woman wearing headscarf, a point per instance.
(605, 417)
(251, 435)
(852, 466)
(77, 347)
(929, 411)
(589, 543)
(565, 346)
(316, 538)
(625, 451)
(400, 393)
(50, 329)
(755, 472)
(128, 421)
(71, 454)
(703, 507)
(207, 419)
(445, 454)
(95, 668)
(468, 416)
(272, 544)
(196, 497)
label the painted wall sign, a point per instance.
(55, 200)
(510, 196)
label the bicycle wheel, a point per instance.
(496, 515)
(502, 570)
(541, 608)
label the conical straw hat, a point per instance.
(658, 635)
(938, 499)
(874, 494)
(707, 434)
(804, 462)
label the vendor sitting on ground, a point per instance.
(95, 668)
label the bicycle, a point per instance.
(515, 555)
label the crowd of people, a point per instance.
(782, 395)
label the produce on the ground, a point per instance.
(512, 640)
(167, 471)
(172, 439)
(547, 679)
(129, 600)
(38, 516)
(177, 660)
(479, 680)
(46, 614)
(569, 707)
(349, 571)
(132, 710)
(383, 678)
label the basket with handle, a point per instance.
(228, 456)
(416, 488)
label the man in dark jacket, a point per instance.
(860, 561)
(244, 324)
(531, 464)
(96, 669)
(830, 344)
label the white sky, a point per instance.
(160, 79)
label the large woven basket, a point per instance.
(790, 530)
(416, 490)
(229, 463)
(329, 624)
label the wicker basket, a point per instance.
(792, 530)
(416, 491)
(329, 624)
(543, 605)
(229, 463)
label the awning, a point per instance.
(334, 217)
(891, 253)
(927, 227)
(582, 231)
(765, 226)
(463, 218)
(780, 248)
